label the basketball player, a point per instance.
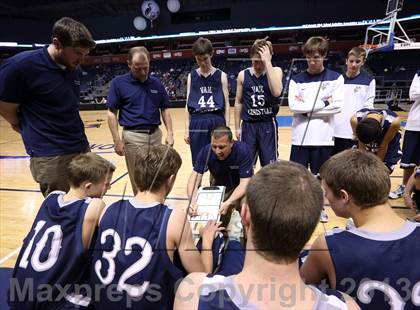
(257, 103)
(315, 95)
(411, 144)
(136, 101)
(40, 98)
(378, 131)
(283, 205)
(412, 193)
(141, 239)
(374, 260)
(207, 98)
(57, 250)
(359, 93)
(229, 163)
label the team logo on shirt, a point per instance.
(77, 82)
(153, 91)
(357, 88)
(325, 85)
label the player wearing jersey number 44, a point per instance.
(207, 99)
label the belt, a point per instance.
(143, 129)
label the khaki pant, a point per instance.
(133, 141)
(51, 172)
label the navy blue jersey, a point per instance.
(206, 93)
(258, 102)
(139, 103)
(52, 253)
(226, 172)
(131, 259)
(219, 292)
(48, 98)
(378, 269)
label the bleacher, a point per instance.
(393, 77)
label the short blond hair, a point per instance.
(357, 52)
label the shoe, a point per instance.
(323, 217)
(398, 193)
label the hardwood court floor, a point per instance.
(20, 197)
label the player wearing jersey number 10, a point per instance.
(56, 253)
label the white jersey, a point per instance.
(413, 121)
(359, 93)
(314, 99)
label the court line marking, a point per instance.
(10, 255)
(27, 156)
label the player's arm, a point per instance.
(409, 188)
(226, 96)
(274, 74)
(194, 182)
(350, 302)
(167, 120)
(390, 134)
(238, 103)
(180, 237)
(299, 105)
(318, 265)
(9, 111)
(353, 123)
(187, 114)
(188, 293)
(415, 88)
(334, 103)
(370, 96)
(91, 220)
(236, 195)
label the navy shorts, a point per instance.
(201, 126)
(261, 137)
(311, 156)
(393, 154)
(342, 144)
(411, 149)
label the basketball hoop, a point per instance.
(369, 47)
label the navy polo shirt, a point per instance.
(226, 172)
(138, 102)
(48, 98)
